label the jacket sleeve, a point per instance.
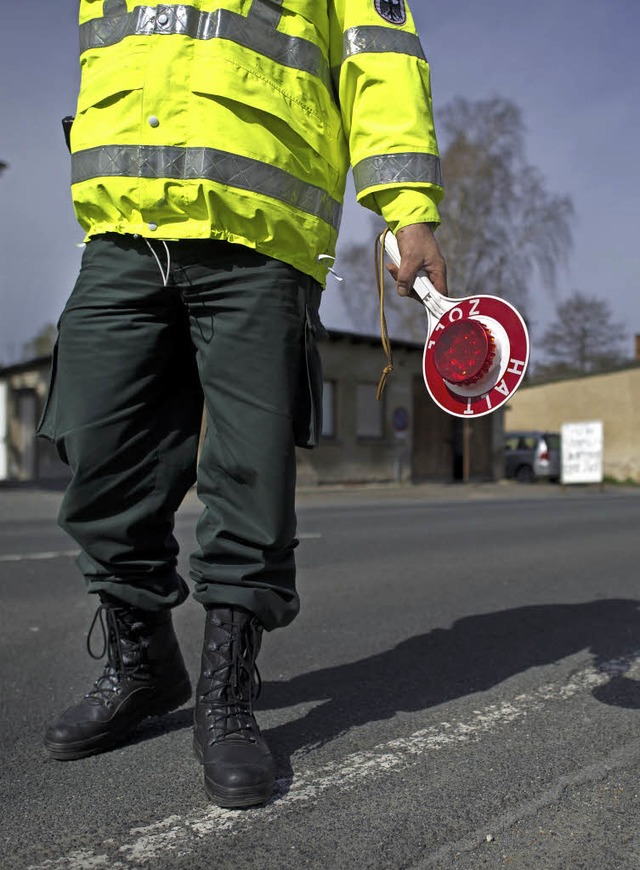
(383, 86)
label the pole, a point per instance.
(466, 450)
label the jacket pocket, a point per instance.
(102, 82)
(290, 114)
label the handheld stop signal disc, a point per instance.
(477, 348)
(498, 373)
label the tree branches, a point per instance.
(583, 338)
(500, 225)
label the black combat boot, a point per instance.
(238, 767)
(144, 675)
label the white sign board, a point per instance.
(582, 450)
(3, 430)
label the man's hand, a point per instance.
(418, 251)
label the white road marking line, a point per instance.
(181, 835)
(25, 557)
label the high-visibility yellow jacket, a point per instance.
(238, 120)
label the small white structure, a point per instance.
(582, 452)
(4, 430)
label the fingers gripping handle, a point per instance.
(423, 287)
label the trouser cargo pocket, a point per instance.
(46, 428)
(308, 413)
(49, 419)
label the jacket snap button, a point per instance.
(152, 226)
(163, 18)
(153, 121)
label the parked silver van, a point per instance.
(530, 456)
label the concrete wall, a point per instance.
(613, 398)
(425, 450)
(348, 361)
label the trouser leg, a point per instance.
(248, 315)
(124, 410)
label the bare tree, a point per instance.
(583, 338)
(499, 223)
(500, 226)
(41, 344)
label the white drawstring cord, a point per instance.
(321, 257)
(163, 273)
(168, 251)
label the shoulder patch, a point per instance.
(393, 11)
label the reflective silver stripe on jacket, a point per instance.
(267, 11)
(380, 39)
(114, 7)
(291, 51)
(148, 161)
(397, 169)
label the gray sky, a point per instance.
(573, 67)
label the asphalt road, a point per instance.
(461, 690)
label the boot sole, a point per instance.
(109, 739)
(238, 798)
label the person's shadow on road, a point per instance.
(474, 654)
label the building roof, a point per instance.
(38, 362)
(555, 379)
(41, 362)
(373, 340)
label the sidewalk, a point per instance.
(22, 503)
(423, 492)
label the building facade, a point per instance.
(23, 390)
(403, 437)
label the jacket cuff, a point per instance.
(401, 207)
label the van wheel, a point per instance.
(524, 474)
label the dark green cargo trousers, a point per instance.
(134, 358)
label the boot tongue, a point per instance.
(228, 672)
(229, 675)
(124, 645)
(230, 705)
(132, 657)
(105, 686)
(128, 643)
(233, 720)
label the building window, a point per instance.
(329, 409)
(370, 421)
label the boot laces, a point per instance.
(117, 626)
(231, 707)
